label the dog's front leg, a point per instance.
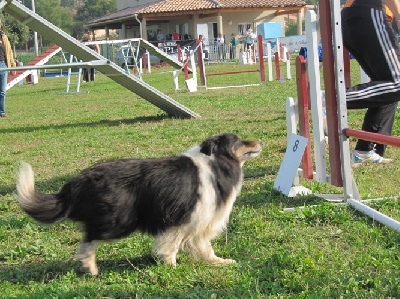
(202, 248)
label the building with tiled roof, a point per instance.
(144, 18)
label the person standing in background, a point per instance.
(160, 36)
(203, 46)
(96, 48)
(249, 39)
(233, 44)
(221, 47)
(175, 36)
(6, 61)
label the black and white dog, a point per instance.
(184, 201)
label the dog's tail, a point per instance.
(45, 208)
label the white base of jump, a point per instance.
(334, 198)
(222, 87)
(299, 191)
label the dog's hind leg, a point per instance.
(202, 249)
(167, 245)
(87, 255)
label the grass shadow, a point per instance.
(258, 172)
(54, 183)
(100, 123)
(44, 272)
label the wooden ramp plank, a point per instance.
(12, 80)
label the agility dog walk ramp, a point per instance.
(80, 50)
(39, 60)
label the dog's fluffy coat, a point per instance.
(184, 201)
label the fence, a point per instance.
(224, 52)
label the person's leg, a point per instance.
(369, 37)
(377, 120)
(3, 87)
(85, 75)
(91, 74)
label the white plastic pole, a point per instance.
(176, 83)
(317, 113)
(193, 66)
(291, 117)
(269, 51)
(374, 214)
(58, 66)
(35, 37)
(148, 62)
(278, 48)
(288, 69)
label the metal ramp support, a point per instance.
(80, 50)
(130, 53)
(77, 84)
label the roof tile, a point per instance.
(163, 6)
(189, 5)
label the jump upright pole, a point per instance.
(330, 91)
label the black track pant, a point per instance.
(370, 38)
(86, 73)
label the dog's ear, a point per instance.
(219, 144)
(208, 146)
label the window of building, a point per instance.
(243, 27)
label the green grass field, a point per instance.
(322, 251)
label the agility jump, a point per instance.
(191, 83)
(336, 112)
(189, 66)
(203, 75)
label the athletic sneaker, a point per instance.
(359, 157)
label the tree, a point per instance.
(91, 9)
(291, 28)
(69, 15)
(313, 2)
(16, 32)
(56, 14)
